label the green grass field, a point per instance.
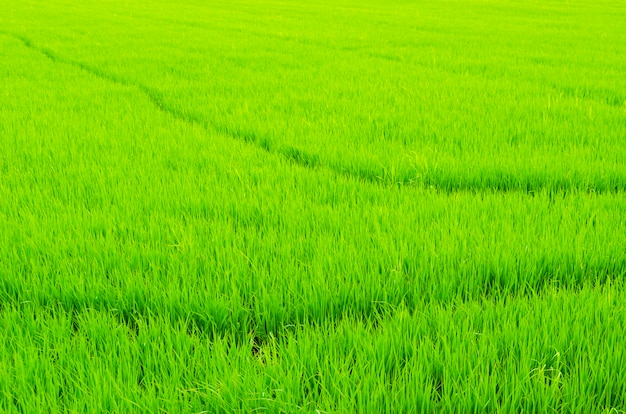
(328, 207)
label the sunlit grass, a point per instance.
(344, 207)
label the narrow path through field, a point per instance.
(303, 158)
(294, 155)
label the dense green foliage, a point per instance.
(359, 206)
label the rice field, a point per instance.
(326, 207)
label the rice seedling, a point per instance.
(344, 207)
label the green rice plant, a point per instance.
(342, 207)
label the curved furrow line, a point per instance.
(501, 181)
(294, 155)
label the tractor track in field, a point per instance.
(310, 161)
(294, 155)
(291, 154)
